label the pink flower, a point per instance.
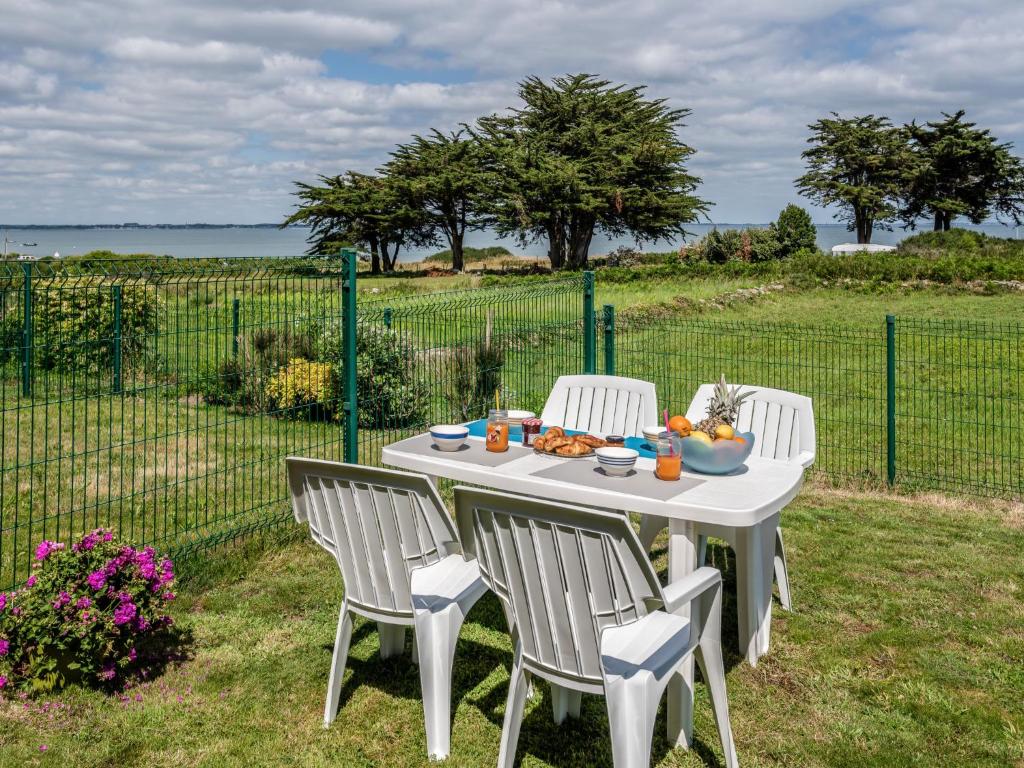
(45, 548)
(108, 672)
(3, 600)
(62, 599)
(97, 580)
(31, 581)
(3, 681)
(83, 603)
(132, 654)
(124, 613)
(5, 646)
(108, 536)
(43, 747)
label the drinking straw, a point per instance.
(497, 407)
(671, 446)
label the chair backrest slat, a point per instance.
(782, 422)
(378, 524)
(603, 404)
(564, 573)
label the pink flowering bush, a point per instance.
(91, 613)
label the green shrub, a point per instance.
(11, 338)
(386, 385)
(305, 389)
(746, 245)
(476, 377)
(74, 327)
(223, 384)
(795, 231)
(470, 254)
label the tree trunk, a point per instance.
(455, 241)
(862, 223)
(374, 256)
(389, 259)
(938, 222)
(556, 245)
(947, 220)
(580, 235)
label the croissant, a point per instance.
(554, 443)
(555, 432)
(574, 449)
(593, 442)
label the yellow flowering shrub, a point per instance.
(305, 389)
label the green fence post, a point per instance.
(609, 340)
(890, 397)
(387, 317)
(26, 333)
(236, 311)
(116, 290)
(350, 261)
(589, 326)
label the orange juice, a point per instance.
(497, 431)
(668, 466)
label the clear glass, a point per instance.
(669, 462)
(497, 430)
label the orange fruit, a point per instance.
(739, 439)
(681, 425)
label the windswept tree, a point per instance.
(584, 156)
(443, 175)
(859, 165)
(960, 170)
(355, 209)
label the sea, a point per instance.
(235, 241)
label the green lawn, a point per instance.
(906, 649)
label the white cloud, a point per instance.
(203, 109)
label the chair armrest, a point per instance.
(679, 593)
(806, 458)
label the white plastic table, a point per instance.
(749, 500)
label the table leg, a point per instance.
(682, 561)
(755, 568)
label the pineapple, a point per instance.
(723, 408)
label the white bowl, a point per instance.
(651, 432)
(449, 437)
(617, 462)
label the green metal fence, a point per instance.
(161, 398)
(137, 396)
(916, 403)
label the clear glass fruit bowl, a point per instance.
(719, 457)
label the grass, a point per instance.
(906, 649)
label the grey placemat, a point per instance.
(640, 482)
(471, 452)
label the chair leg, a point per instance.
(650, 527)
(632, 710)
(709, 657)
(565, 702)
(436, 635)
(782, 571)
(342, 638)
(514, 706)
(392, 639)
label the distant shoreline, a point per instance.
(147, 226)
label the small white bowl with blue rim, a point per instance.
(449, 437)
(615, 461)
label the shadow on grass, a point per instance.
(574, 744)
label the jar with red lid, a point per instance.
(531, 428)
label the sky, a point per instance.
(176, 111)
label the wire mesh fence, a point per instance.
(946, 416)
(161, 398)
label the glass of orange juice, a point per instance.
(497, 430)
(669, 461)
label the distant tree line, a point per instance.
(579, 156)
(878, 173)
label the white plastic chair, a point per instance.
(589, 615)
(402, 565)
(606, 405)
(783, 424)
